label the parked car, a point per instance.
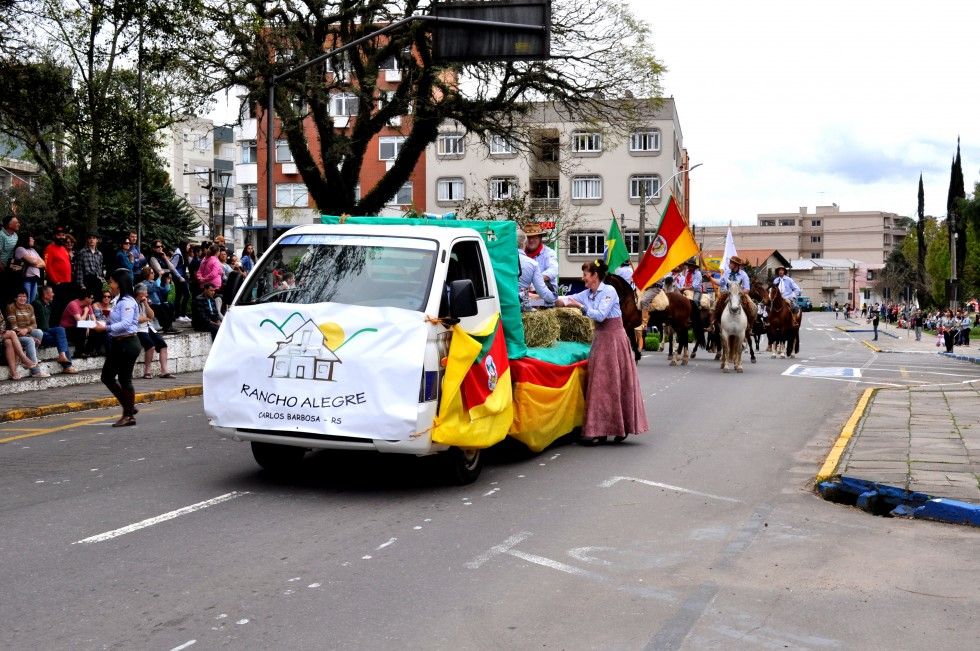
(804, 303)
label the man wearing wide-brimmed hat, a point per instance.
(89, 267)
(737, 275)
(689, 279)
(788, 288)
(546, 258)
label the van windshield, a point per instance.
(350, 269)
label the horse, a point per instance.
(627, 305)
(734, 325)
(782, 331)
(716, 317)
(674, 313)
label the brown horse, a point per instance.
(627, 305)
(673, 318)
(782, 332)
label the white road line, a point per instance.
(496, 550)
(149, 522)
(553, 564)
(391, 541)
(676, 489)
(184, 645)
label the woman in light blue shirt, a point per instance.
(613, 400)
(124, 347)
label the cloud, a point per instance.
(844, 156)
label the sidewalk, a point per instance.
(912, 452)
(900, 340)
(94, 395)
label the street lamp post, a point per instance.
(224, 195)
(643, 204)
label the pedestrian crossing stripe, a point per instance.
(799, 370)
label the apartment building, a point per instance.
(577, 175)
(292, 202)
(199, 157)
(868, 236)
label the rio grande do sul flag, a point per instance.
(673, 245)
(476, 409)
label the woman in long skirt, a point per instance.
(613, 400)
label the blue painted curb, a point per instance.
(962, 358)
(873, 497)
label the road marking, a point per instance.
(555, 565)
(183, 646)
(391, 541)
(904, 372)
(830, 465)
(823, 371)
(51, 430)
(496, 550)
(609, 482)
(149, 522)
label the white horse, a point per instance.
(732, 329)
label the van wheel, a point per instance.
(462, 466)
(277, 459)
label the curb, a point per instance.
(98, 403)
(873, 497)
(871, 346)
(829, 467)
(962, 358)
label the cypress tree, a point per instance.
(920, 231)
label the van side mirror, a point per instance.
(459, 299)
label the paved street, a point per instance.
(704, 533)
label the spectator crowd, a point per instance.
(55, 296)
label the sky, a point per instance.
(791, 103)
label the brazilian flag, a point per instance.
(616, 253)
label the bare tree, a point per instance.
(600, 59)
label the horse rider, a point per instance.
(735, 274)
(789, 289)
(545, 256)
(531, 276)
(689, 280)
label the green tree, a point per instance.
(600, 58)
(970, 211)
(937, 264)
(70, 92)
(911, 246)
(955, 224)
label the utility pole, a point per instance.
(643, 218)
(210, 188)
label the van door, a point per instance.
(466, 261)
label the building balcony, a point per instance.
(545, 203)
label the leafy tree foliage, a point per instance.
(600, 57)
(68, 70)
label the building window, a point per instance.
(391, 63)
(451, 189)
(340, 66)
(587, 142)
(767, 222)
(814, 254)
(292, 195)
(450, 144)
(250, 195)
(403, 197)
(787, 222)
(586, 188)
(645, 186)
(250, 151)
(502, 145)
(283, 155)
(586, 243)
(815, 222)
(342, 104)
(502, 188)
(389, 147)
(816, 238)
(549, 150)
(648, 140)
(544, 194)
(201, 144)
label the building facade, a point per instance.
(199, 158)
(574, 174)
(868, 236)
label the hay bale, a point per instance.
(541, 328)
(574, 325)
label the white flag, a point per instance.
(729, 250)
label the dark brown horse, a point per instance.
(627, 305)
(782, 332)
(673, 319)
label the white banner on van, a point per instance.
(339, 370)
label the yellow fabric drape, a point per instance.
(542, 414)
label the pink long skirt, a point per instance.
(613, 400)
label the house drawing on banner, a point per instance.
(304, 355)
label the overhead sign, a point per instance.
(464, 43)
